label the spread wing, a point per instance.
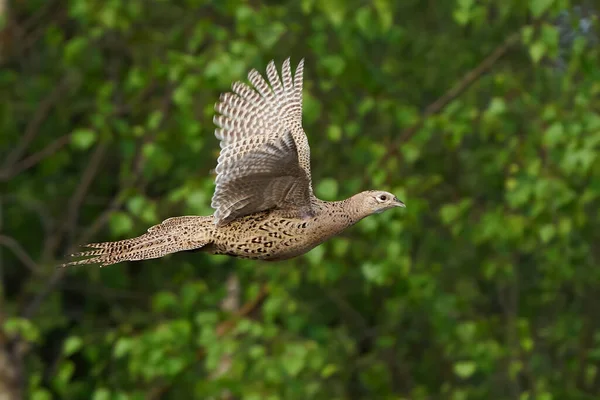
(265, 157)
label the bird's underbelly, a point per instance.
(270, 239)
(268, 249)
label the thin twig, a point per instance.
(18, 251)
(39, 15)
(74, 204)
(58, 273)
(33, 127)
(227, 326)
(35, 206)
(27, 40)
(35, 158)
(84, 185)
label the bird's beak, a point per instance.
(398, 203)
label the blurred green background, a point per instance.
(483, 116)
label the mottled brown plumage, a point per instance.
(264, 203)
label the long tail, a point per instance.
(172, 235)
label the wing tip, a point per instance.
(253, 73)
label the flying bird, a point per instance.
(264, 204)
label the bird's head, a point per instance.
(377, 201)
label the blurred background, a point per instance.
(483, 116)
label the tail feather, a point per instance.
(99, 245)
(88, 253)
(171, 236)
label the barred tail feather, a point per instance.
(171, 236)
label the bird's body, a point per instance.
(264, 204)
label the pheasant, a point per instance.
(264, 204)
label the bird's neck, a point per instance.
(347, 212)
(355, 206)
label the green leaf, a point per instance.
(25, 328)
(497, 107)
(163, 301)
(154, 120)
(122, 347)
(329, 370)
(527, 34)
(327, 189)
(373, 273)
(537, 51)
(315, 256)
(335, 10)
(461, 16)
(463, 12)
(121, 223)
(550, 36)
(538, 7)
(466, 331)
(366, 105)
(365, 21)
(465, 369)
(271, 34)
(136, 204)
(307, 6)
(75, 48)
(449, 213)
(555, 134)
(41, 394)
(547, 232)
(312, 108)
(83, 139)
(385, 14)
(65, 373)
(334, 133)
(411, 152)
(191, 293)
(295, 359)
(101, 394)
(334, 64)
(72, 345)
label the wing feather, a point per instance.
(261, 178)
(265, 157)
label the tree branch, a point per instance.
(84, 185)
(34, 125)
(35, 158)
(19, 252)
(75, 202)
(457, 90)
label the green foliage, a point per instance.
(485, 286)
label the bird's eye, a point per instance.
(383, 197)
